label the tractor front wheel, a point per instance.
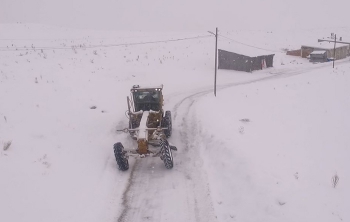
(166, 154)
(120, 156)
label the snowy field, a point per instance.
(267, 148)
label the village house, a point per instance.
(322, 51)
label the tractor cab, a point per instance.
(146, 98)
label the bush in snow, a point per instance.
(7, 145)
(335, 180)
(74, 49)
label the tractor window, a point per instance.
(146, 97)
(146, 100)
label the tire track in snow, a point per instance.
(203, 206)
(126, 196)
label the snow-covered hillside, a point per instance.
(265, 149)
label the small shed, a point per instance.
(318, 56)
(234, 61)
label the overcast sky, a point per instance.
(178, 14)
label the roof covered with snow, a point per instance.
(325, 45)
(318, 52)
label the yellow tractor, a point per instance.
(148, 125)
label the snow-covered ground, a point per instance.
(265, 149)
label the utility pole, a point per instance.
(216, 59)
(216, 56)
(335, 42)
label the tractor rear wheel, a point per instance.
(166, 154)
(167, 123)
(120, 156)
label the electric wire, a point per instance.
(252, 46)
(82, 46)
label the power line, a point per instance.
(66, 39)
(101, 46)
(150, 42)
(248, 44)
(71, 39)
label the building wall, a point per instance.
(318, 57)
(234, 61)
(340, 52)
(305, 51)
(294, 52)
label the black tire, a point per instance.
(167, 123)
(166, 154)
(120, 156)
